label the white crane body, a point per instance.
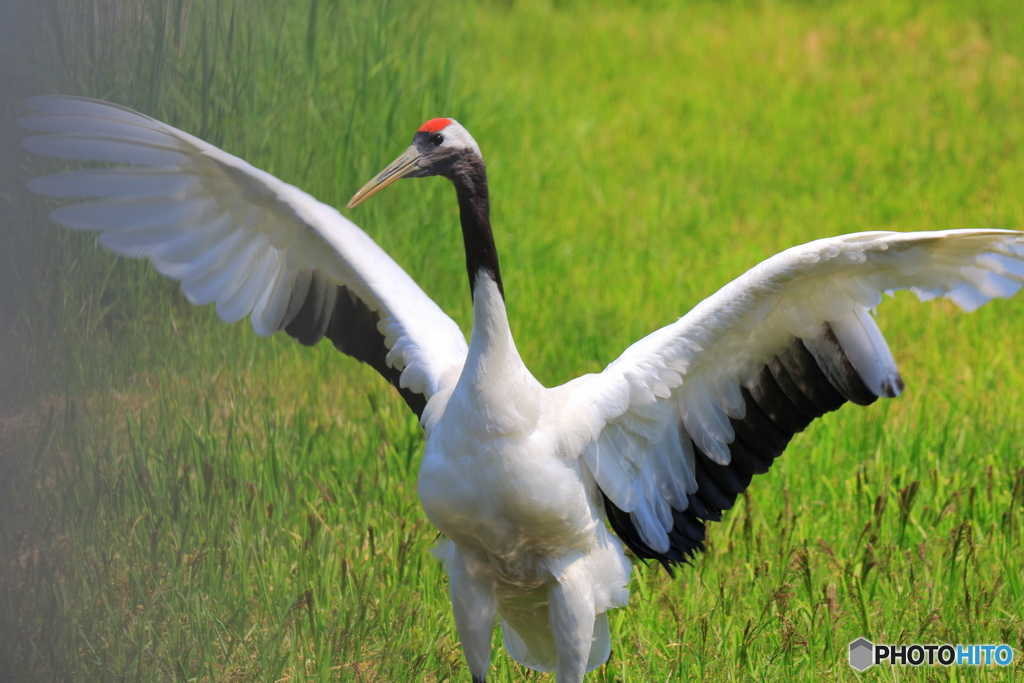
(519, 513)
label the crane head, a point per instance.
(437, 148)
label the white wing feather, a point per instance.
(685, 379)
(231, 233)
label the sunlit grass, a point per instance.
(184, 501)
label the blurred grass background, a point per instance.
(182, 501)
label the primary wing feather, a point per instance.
(240, 238)
(676, 427)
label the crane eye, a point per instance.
(436, 139)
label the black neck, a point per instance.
(470, 179)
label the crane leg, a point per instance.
(571, 611)
(475, 607)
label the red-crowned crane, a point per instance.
(520, 478)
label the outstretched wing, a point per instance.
(676, 427)
(244, 240)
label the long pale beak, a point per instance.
(399, 168)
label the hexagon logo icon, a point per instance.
(862, 654)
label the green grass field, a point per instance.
(183, 501)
